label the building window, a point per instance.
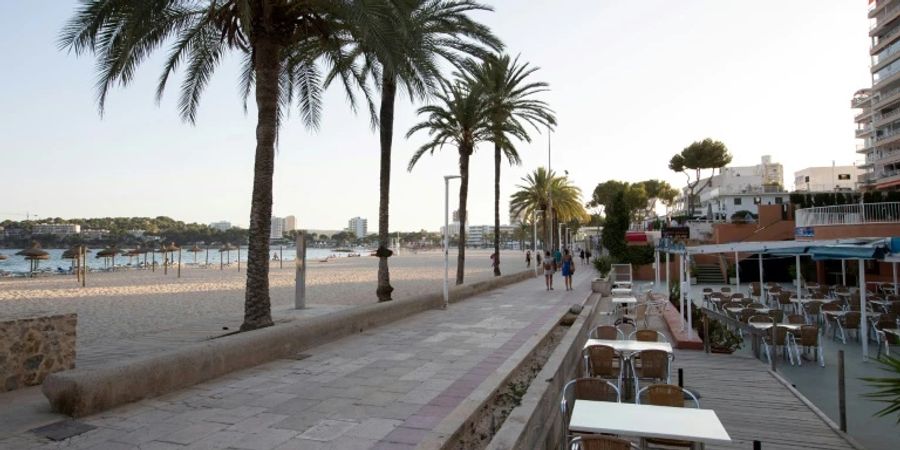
(737, 201)
(778, 200)
(843, 176)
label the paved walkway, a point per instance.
(385, 388)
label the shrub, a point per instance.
(603, 264)
(638, 255)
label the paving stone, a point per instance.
(374, 428)
(193, 433)
(264, 440)
(257, 423)
(327, 430)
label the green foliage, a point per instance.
(638, 255)
(720, 337)
(705, 154)
(888, 388)
(616, 225)
(603, 264)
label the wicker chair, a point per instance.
(777, 315)
(781, 340)
(648, 336)
(599, 442)
(650, 365)
(737, 296)
(848, 322)
(784, 300)
(725, 289)
(884, 339)
(667, 395)
(813, 311)
(585, 389)
(608, 332)
(601, 361)
(830, 306)
(755, 291)
(796, 319)
(808, 339)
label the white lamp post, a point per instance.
(537, 213)
(447, 179)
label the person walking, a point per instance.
(557, 259)
(548, 271)
(582, 256)
(568, 268)
(528, 259)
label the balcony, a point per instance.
(869, 213)
(860, 132)
(886, 97)
(884, 18)
(864, 148)
(883, 119)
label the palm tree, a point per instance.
(459, 118)
(281, 42)
(534, 194)
(510, 105)
(404, 50)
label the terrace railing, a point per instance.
(868, 213)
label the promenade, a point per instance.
(391, 387)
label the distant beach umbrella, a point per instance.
(167, 249)
(2, 257)
(195, 249)
(227, 249)
(109, 252)
(34, 254)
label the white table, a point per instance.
(759, 310)
(629, 346)
(647, 421)
(620, 291)
(766, 326)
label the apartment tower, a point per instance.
(878, 123)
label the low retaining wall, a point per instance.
(537, 422)
(31, 348)
(86, 391)
(682, 339)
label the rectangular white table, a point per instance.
(629, 346)
(647, 421)
(620, 291)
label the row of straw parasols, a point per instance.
(35, 254)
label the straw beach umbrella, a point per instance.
(34, 255)
(195, 249)
(171, 249)
(3, 257)
(107, 253)
(227, 248)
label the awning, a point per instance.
(859, 248)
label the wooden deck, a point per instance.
(753, 404)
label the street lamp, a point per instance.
(447, 179)
(537, 213)
(560, 241)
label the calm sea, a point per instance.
(18, 264)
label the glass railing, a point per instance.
(888, 212)
(887, 95)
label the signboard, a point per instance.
(676, 233)
(804, 232)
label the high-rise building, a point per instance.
(277, 228)
(290, 223)
(221, 226)
(878, 123)
(358, 226)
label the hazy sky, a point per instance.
(633, 82)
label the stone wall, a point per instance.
(33, 347)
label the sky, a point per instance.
(632, 84)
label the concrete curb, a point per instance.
(834, 427)
(536, 423)
(81, 392)
(683, 340)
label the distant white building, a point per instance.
(136, 233)
(277, 228)
(221, 226)
(739, 188)
(827, 178)
(478, 235)
(358, 226)
(92, 235)
(56, 229)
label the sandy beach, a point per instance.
(117, 305)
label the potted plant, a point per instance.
(721, 339)
(603, 265)
(732, 274)
(887, 388)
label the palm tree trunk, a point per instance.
(497, 210)
(386, 121)
(257, 306)
(463, 199)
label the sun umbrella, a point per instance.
(109, 252)
(167, 249)
(227, 248)
(74, 254)
(195, 249)
(34, 254)
(2, 257)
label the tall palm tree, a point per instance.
(459, 118)
(281, 42)
(509, 96)
(534, 194)
(403, 51)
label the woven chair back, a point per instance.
(602, 360)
